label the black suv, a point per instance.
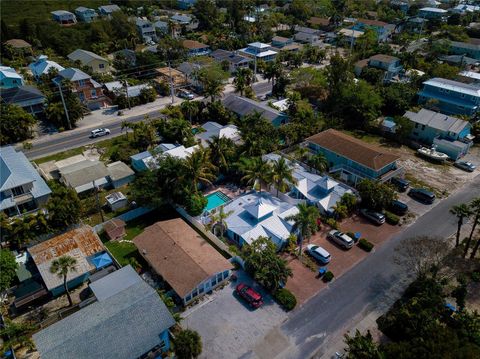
(401, 184)
(399, 208)
(422, 195)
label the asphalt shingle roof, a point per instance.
(243, 106)
(19, 94)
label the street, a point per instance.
(317, 329)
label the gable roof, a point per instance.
(230, 56)
(84, 56)
(109, 8)
(319, 21)
(42, 66)
(179, 254)
(19, 94)
(73, 74)
(354, 149)
(125, 322)
(181, 18)
(10, 73)
(437, 120)
(215, 129)
(243, 106)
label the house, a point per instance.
(243, 106)
(29, 98)
(450, 97)
(349, 36)
(306, 34)
(353, 159)
(432, 13)
(22, 190)
(116, 201)
(108, 10)
(84, 175)
(146, 30)
(382, 29)
(459, 60)
(389, 64)
(190, 71)
(320, 23)
(119, 174)
(43, 66)
(115, 229)
(177, 253)
(87, 58)
(213, 129)
(448, 134)
(141, 161)
(279, 41)
(469, 49)
(19, 45)
(85, 14)
(415, 24)
(321, 191)
(464, 9)
(87, 89)
(235, 61)
(10, 78)
(186, 21)
(195, 48)
(259, 214)
(126, 55)
(81, 243)
(260, 51)
(469, 77)
(64, 17)
(185, 4)
(127, 319)
(116, 88)
(161, 27)
(174, 150)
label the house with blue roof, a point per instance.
(260, 51)
(108, 10)
(138, 161)
(64, 17)
(42, 66)
(22, 190)
(127, 319)
(450, 97)
(10, 78)
(85, 14)
(448, 134)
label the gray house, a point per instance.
(21, 187)
(85, 14)
(29, 98)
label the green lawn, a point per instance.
(61, 155)
(122, 251)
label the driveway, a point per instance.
(228, 326)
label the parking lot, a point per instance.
(228, 326)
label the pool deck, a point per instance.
(229, 191)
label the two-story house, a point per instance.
(242, 106)
(433, 13)
(382, 29)
(146, 30)
(470, 49)
(449, 134)
(259, 51)
(90, 59)
(186, 21)
(42, 66)
(29, 98)
(22, 190)
(389, 64)
(87, 89)
(108, 10)
(10, 78)
(234, 60)
(306, 34)
(195, 48)
(64, 17)
(354, 159)
(450, 97)
(85, 14)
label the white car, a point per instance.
(187, 95)
(99, 132)
(319, 253)
(341, 239)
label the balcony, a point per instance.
(23, 198)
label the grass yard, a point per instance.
(61, 155)
(123, 251)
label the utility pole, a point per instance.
(99, 209)
(255, 69)
(125, 85)
(59, 84)
(172, 90)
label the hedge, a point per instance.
(352, 236)
(285, 298)
(365, 245)
(391, 218)
(327, 277)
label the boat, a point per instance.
(432, 154)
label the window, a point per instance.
(423, 127)
(81, 83)
(201, 290)
(194, 293)
(214, 281)
(416, 125)
(101, 66)
(219, 277)
(188, 298)
(17, 191)
(94, 93)
(225, 274)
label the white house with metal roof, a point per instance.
(22, 190)
(10, 78)
(259, 50)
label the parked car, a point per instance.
(341, 239)
(466, 166)
(398, 207)
(422, 195)
(375, 217)
(99, 132)
(319, 253)
(251, 296)
(187, 95)
(401, 184)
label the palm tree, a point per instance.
(255, 170)
(189, 108)
(475, 210)
(282, 175)
(301, 153)
(243, 79)
(318, 162)
(219, 220)
(461, 211)
(62, 266)
(304, 222)
(222, 150)
(125, 126)
(199, 169)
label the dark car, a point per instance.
(422, 195)
(401, 184)
(399, 208)
(252, 297)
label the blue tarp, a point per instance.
(101, 260)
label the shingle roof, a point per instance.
(192, 44)
(119, 170)
(84, 56)
(73, 74)
(19, 94)
(384, 58)
(319, 21)
(109, 8)
(243, 106)
(179, 254)
(437, 120)
(124, 323)
(353, 149)
(372, 22)
(18, 43)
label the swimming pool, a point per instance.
(215, 200)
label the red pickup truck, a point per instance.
(253, 298)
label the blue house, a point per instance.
(85, 14)
(470, 49)
(353, 159)
(108, 10)
(449, 134)
(9, 78)
(64, 17)
(127, 319)
(390, 65)
(185, 4)
(29, 98)
(450, 97)
(260, 51)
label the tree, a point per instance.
(475, 211)
(403, 128)
(146, 190)
(349, 200)
(218, 219)
(243, 79)
(259, 135)
(222, 152)
(462, 212)
(255, 171)
(460, 292)
(61, 267)
(8, 267)
(199, 169)
(17, 335)
(263, 263)
(339, 75)
(375, 195)
(282, 175)
(361, 346)
(397, 98)
(318, 162)
(15, 124)
(63, 206)
(213, 79)
(304, 222)
(190, 109)
(188, 344)
(207, 14)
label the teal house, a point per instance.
(353, 159)
(469, 49)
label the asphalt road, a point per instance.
(372, 286)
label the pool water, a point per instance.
(215, 200)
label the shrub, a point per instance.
(391, 218)
(196, 204)
(332, 223)
(328, 277)
(352, 236)
(475, 276)
(365, 245)
(285, 298)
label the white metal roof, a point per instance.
(455, 86)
